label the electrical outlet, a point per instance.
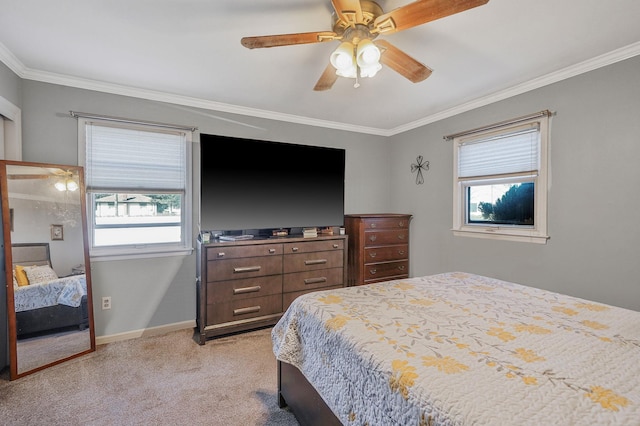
(106, 303)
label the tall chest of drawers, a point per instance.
(243, 285)
(378, 247)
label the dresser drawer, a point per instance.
(381, 238)
(313, 279)
(313, 261)
(386, 223)
(311, 246)
(237, 310)
(227, 269)
(386, 253)
(381, 271)
(233, 252)
(241, 283)
(224, 291)
(288, 298)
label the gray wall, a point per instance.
(592, 204)
(10, 86)
(593, 196)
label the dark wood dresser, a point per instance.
(242, 285)
(378, 247)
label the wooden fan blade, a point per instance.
(348, 11)
(420, 12)
(402, 63)
(327, 79)
(288, 39)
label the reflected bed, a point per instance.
(457, 349)
(50, 303)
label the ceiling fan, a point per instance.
(356, 23)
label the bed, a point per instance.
(457, 349)
(45, 302)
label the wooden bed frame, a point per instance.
(51, 317)
(295, 392)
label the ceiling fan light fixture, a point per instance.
(368, 58)
(343, 60)
(348, 73)
(370, 71)
(66, 185)
(72, 185)
(368, 54)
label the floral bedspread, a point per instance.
(65, 291)
(462, 349)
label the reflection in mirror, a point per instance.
(47, 265)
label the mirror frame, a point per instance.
(11, 314)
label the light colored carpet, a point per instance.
(158, 380)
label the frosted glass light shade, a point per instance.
(370, 71)
(343, 60)
(368, 54)
(368, 58)
(71, 185)
(68, 185)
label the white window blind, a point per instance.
(515, 152)
(121, 159)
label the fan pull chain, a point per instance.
(357, 83)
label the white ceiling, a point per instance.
(188, 52)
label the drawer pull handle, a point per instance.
(246, 289)
(294, 248)
(315, 262)
(373, 225)
(373, 254)
(401, 224)
(401, 252)
(272, 250)
(373, 237)
(249, 310)
(315, 280)
(247, 269)
(336, 246)
(221, 254)
(401, 267)
(401, 236)
(373, 271)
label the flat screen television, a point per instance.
(254, 186)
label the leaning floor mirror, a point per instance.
(48, 277)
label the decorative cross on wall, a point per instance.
(419, 166)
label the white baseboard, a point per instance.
(145, 332)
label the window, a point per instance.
(138, 188)
(500, 180)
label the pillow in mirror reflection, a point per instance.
(21, 276)
(40, 274)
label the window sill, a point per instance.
(502, 234)
(103, 255)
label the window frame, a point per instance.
(131, 251)
(536, 233)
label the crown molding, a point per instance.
(152, 95)
(554, 77)
(9, 59)
(22, 71)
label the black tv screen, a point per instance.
(250, 184)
